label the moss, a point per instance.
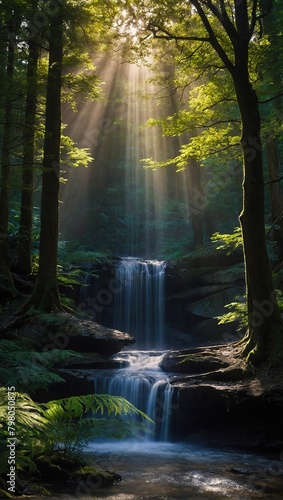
(91, 476)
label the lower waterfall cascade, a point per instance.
(143, 384)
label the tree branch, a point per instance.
(254, 18)
(224, 19)
(155, 29)
(212, 37)
(273, 181)
(271, 98)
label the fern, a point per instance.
(30, 420)
(76, 407)
(28, 413)
(71, 427)
(24, 368)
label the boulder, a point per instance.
(88, 336)
(225, 405)
(91, 360)
(230, 414)
(187, 361)
(75, 383)
(66, 331)
(213, 303)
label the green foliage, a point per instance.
(52, 435)
(81, 85)
(72, 253)
(23, 366)
(238, 313)
(73, 156)
(30, 420)
(74, 422)
(229, 242)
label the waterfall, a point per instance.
(144, 385)
(139, 310)
(139, 307)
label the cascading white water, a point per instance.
(139, 310)
(139, 307)
(144, 385)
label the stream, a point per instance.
(154, 467)
(172, 471)
(157, 468)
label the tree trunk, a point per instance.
(45, 296)
(24, 264)
(265, 334)
(7, 286)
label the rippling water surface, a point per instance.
(169, 471)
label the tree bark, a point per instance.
(45, 295)
(264, 339)
(7, 286)
(24, 263)
(265, 334)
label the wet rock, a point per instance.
(245, 413)
(66, 331)
(88, 336)
(91, 360)
(239, 470)
(74, 383)
(189, 362)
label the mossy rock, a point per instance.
(89, 478)
(57, 466)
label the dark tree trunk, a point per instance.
(7, 286)
(24, 264)
(45, 295)
(265, 334)
(264, 339)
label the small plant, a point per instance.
(51, 436)
(75, 421)
(22, 366)
(229, 241)
(238, 313)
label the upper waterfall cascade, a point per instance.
(139, 307)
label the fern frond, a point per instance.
(77, 420)
(76, 407)
(27, 412)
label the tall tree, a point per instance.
(230, 28)
(45, 295)
(12, 21)
(24, 261)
